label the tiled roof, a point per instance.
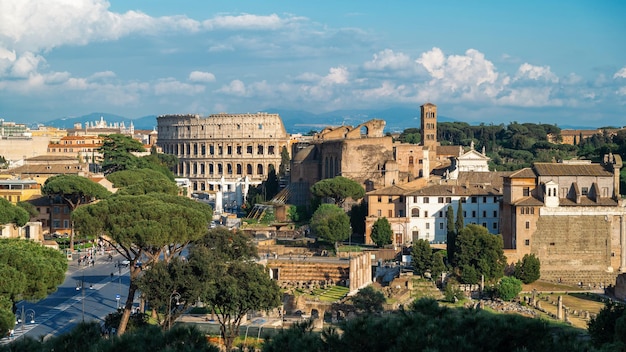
(587, 202)
(456, 190)
(388, 191)
(529, 201)
(51, 169)
(559, 169)
(523, 173)
(448, 150)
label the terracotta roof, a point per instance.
(448, 150)
(456, 190)
(528, 201)
(51, 169)
(494, 178)
(559, 169)
(388, 191)
(587, 202)
(49, 157)
(523, 173)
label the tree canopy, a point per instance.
(11, 214)
(381, 232)
(228, 281)
(330, 223)
(144, 227)
(74, 190)
(338, 188)
(368, 300)
(528, 269)
(28, 271)
(117, 152)
(479, 253)
(142, 181)
(421, 256)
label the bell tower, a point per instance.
(429, 124)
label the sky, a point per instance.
(486, 62)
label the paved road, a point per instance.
(62, 310)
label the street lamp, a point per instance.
(169, 307)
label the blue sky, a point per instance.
(480, 61)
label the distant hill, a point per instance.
(295, 121)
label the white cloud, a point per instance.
(528, 71)
(235, 87)
(621, 73)
(172, 86)
(337, 75)
(387, 59)
(26, 64)
(244, 21)
(202, 77)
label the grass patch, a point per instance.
(331, 294)
(350, 249)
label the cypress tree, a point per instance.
(460, 222)
(451, 237)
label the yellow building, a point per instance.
(19, 190)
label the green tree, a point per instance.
(28, 271)
(298, 337)
(284, 162)
(528, 269)
(602, 327)
(381, 232)
(74, 191)
(410, 135)
(271, 184)
(508, 288)
(460, 221)
(331, 224)
(11, 214)
(357, 214)
(451, 235)
(229, 282)
(30, 209)
(117, 152)
(339, 188)
(144, 227)
(422, 256)
(438, 266)
(142, 181)
(479, 253)
(368, 300)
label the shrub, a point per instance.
(528, 269)
(508, 288)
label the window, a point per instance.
(380, 199)
(56, 210)
(425, 200)
(532, 210)
(390, 199)
(521, 210)
(484, 199)
(448, 200)
(239, 150)
(220, 150)
(211, 149)
(203, 149)
(425, 214)
(526, 192)
(440, 200)
(427, 226)
(379, 213)
(390, 213)
(495, 213)
(260, 149)
(66, 223)
(484, 213)
(441, 226)
(249, 149)
(474, 199)
(494, 226)
(415, 213)
(484, 224)
(473, 213)
(495, 199)
(229, 150)
(440, 214)
(462, 200)
(585, 191)
(414, 199)
(270, 150)
(527, 224)
(527, 242)
(464, 213)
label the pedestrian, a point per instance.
(11, 334)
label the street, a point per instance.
(62, 310)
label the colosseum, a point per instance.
(224, 154)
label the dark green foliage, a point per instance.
(604, 327)
(87, 337)
(460, 221)
(330, 223)
(508, 288)
(30, 209)
(338, 188)
(271, 184)
(528, 269)
(117, 154)
(368, 300)
(451, 235)
(410, 135)
(437, 264)
(422, 256)
(137, 320)
(142, 181)
(299, 337)
(452, 292)
(284, 162)
(427, 327)
(381, 232)
(357, 214)
(11, 214)
(479, 253)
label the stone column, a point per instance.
(622, 236)
(559, 308)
